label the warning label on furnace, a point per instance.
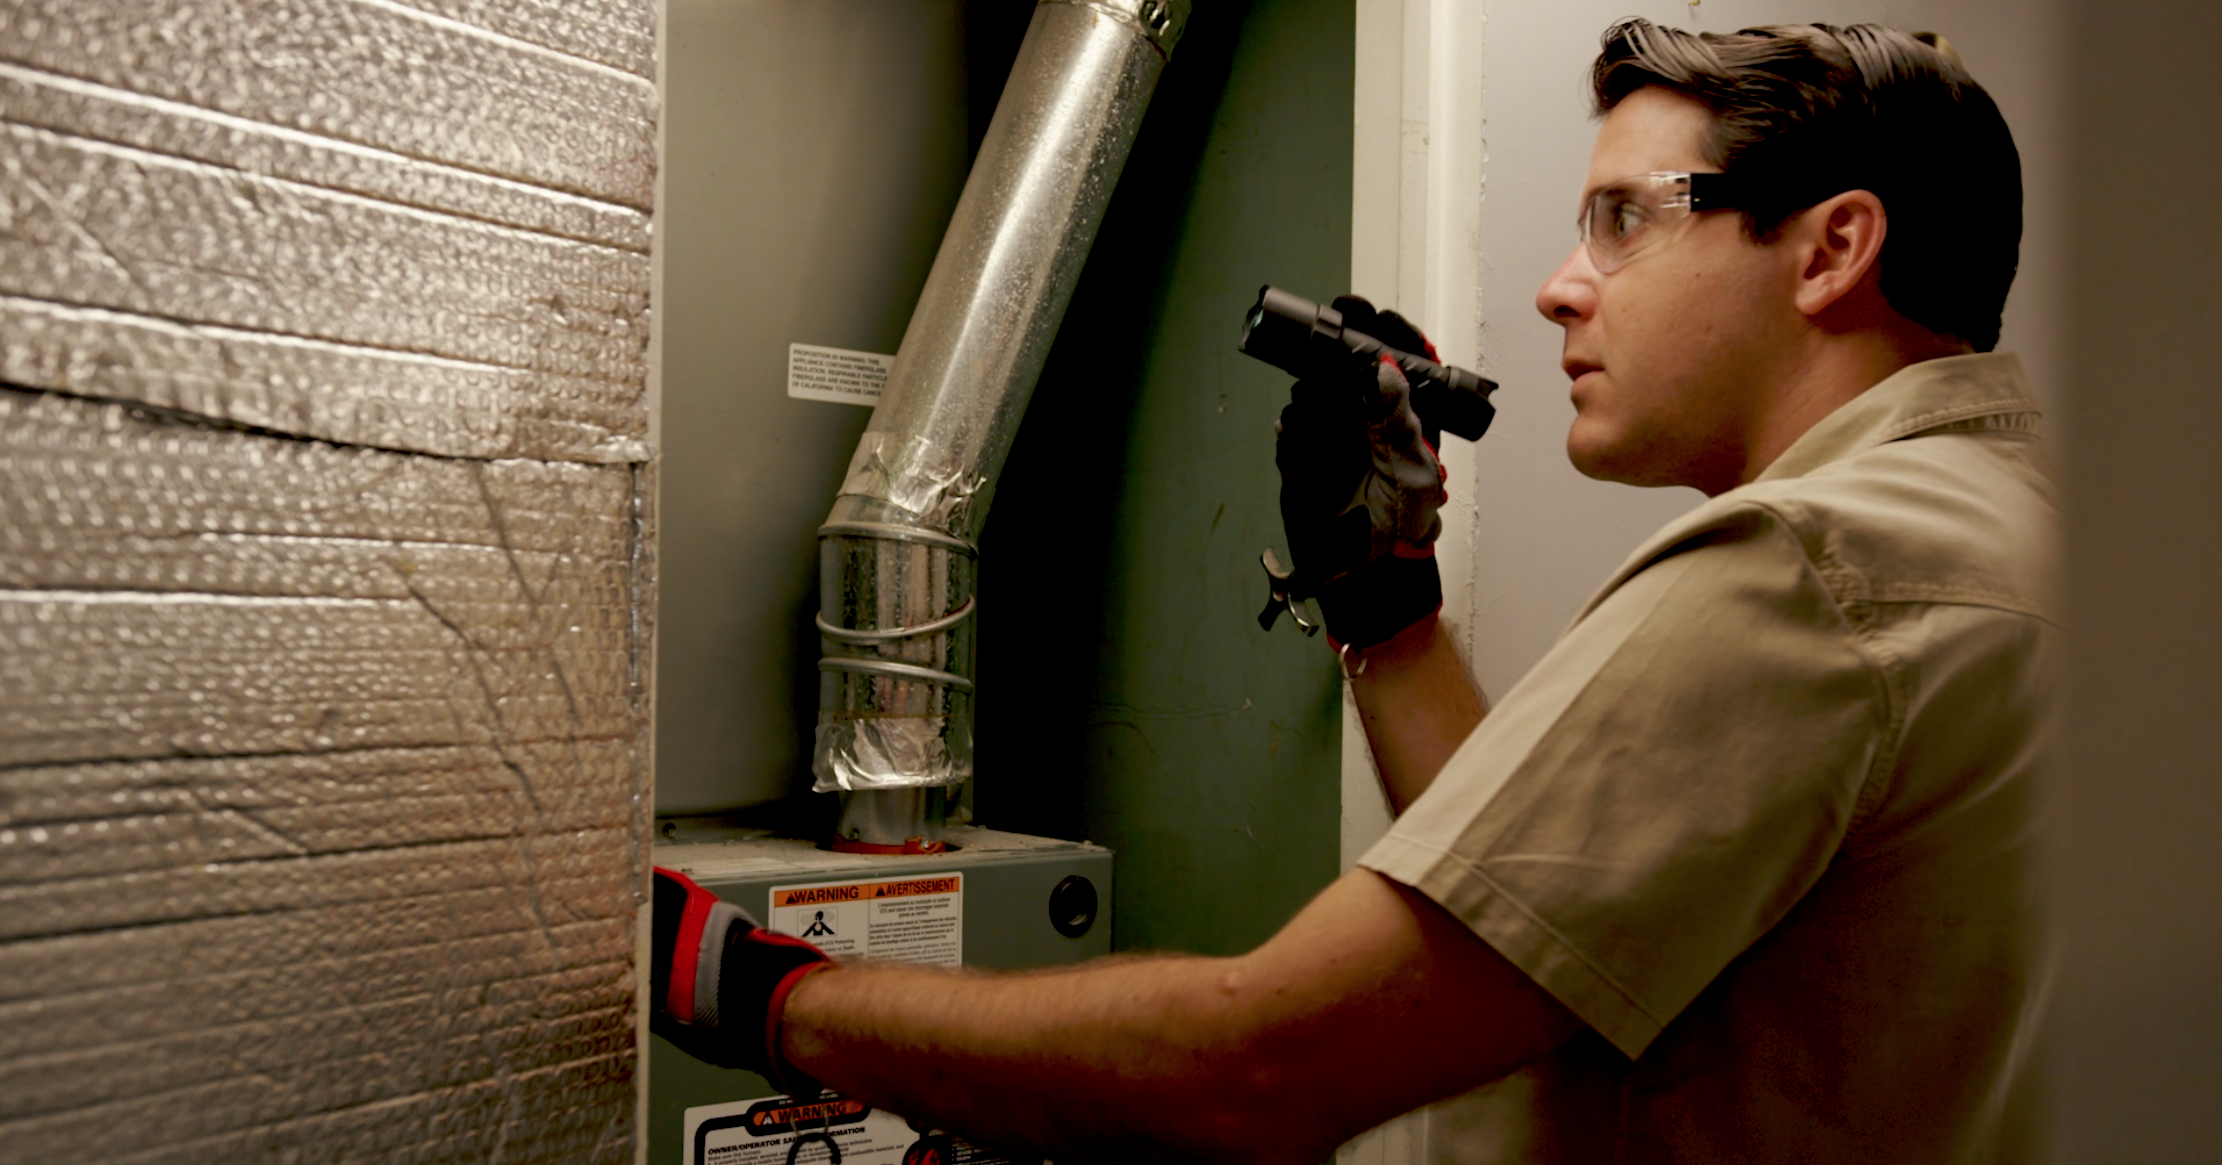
(913, 919)
(778, 1130)
(836, 374)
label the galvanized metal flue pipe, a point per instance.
(897, 553)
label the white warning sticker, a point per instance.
(775, 1130)
(836, 374)
(913, 919)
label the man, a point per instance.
(1742, 869)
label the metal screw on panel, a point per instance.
(1072, 906)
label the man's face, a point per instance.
(1673, 354)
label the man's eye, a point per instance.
(1625, 219)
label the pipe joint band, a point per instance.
(1159, 21)
(931, 627)
(892, 670)
(888, 531)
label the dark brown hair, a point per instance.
(1805, 112)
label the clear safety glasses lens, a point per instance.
(1625, 218)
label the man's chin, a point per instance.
(1622, 462)
(1593, 454)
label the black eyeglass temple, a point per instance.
(1712, 191)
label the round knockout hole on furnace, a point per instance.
(1072, 906)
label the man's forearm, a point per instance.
(1418, 705)
(1154, 1058)
(1273, 1056)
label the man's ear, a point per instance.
(1839, 242)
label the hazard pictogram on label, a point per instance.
(914, 919)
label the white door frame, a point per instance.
(1416, 196)
(1418, 156)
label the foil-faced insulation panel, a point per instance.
(609, 31)
(467, 338)
(326, 578)
(180, 591)
(373, 73)
(95, 112)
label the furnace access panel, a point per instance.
(998, 900)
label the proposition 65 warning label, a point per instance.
(832, 1127)
(917, 918)
(836, 374)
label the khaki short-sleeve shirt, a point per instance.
(1762, 818)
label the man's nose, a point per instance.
(1570, 293)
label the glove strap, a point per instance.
(785, 1076)
(1371, 605)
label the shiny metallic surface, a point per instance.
(902, 671)
(172, 590)
(1161, 22)
(897, 532)
(608, 31)
(375, 73)
(932, 627)
(326, 577)
(1007, 266)
(102, 113)
(916, 819)
(138, 275)
(967, 366)
(894, 703)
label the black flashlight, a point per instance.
(1300, 337)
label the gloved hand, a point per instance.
(1360, 489)
(719, 982)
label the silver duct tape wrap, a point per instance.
(924, 471)
(933, 483)
(895, 752)
(894, 694)
(324, 637)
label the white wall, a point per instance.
(1472, 138)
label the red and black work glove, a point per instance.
(1361, 487)
(720, 982)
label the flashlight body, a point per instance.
(1304, 339)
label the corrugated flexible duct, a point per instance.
(897, 553)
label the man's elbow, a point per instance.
(1269, 1111)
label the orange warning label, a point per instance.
(908, 888)
(811, 895)
(913, 919)
(771, 1116)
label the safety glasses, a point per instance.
(1634, 214)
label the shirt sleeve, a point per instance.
(1664, 785)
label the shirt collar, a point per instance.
(1951, 394)
(1985, 390)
